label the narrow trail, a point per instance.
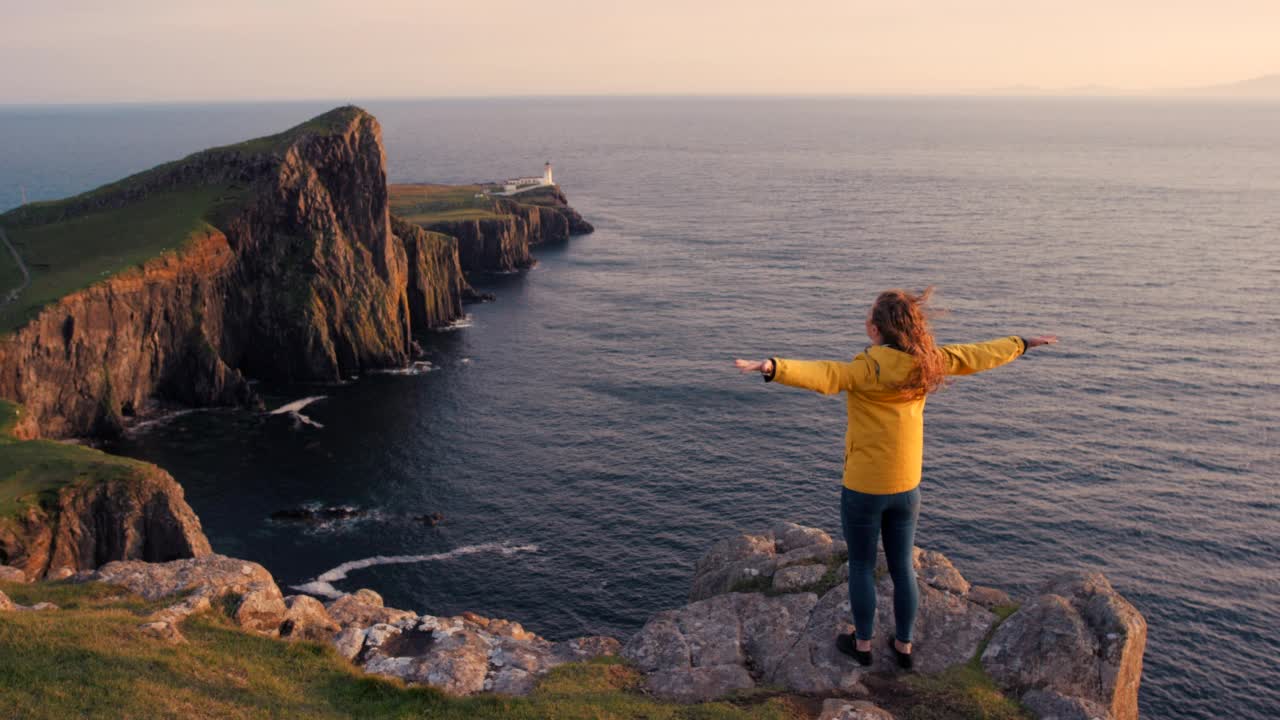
(26, 274)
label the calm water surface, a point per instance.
(591, 412)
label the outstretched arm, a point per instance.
(824, 376)
(976, 357)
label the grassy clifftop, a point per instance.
(72, 243)
(35, 470)
(425, 204)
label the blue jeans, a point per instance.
(865, 519)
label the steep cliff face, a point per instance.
(499, 244)
(436, 285)
(319, 289)
(70, 508)
(105, 351)
(298, 276)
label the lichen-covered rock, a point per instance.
(305, 618)
(363, 609)
(216, 575)
(712, 646)
(1078, 639)
(6, 603)
(839, 709)
(798, 577)
(245, 589)
(261, 608)
(466, 654)
(731, 562)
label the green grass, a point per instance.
(73, 254)
(965, 690)
(33, 471)
(426, 204)
(89, 660)
(71, 244)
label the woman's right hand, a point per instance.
(760, 366)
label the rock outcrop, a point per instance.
(502, 243)
(462, 655)
(245, 589)
(489, 245)
(298, 276)
(126, 510)
(766, 608)
(1074, 651)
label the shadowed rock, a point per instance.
(140, 514)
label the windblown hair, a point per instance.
(903, 321)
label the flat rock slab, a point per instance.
(463, 655)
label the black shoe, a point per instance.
(846, 645)
(904, 659)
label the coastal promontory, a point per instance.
(275, 259)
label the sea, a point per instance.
(586, 438)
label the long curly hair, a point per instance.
(903, 321)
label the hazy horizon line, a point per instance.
(1012, 92)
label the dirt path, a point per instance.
(26, 274)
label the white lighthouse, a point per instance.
(546, 174)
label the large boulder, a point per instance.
(306, 618)
(245, 589)
(364, 608)
(1076, 648)
(785, 636)
(750, 561)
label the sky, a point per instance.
(71, 51)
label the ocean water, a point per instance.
(586, 438)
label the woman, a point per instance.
(887, 385)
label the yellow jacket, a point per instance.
(884, 444)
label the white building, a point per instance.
(517, 184)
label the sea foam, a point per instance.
(323, 584)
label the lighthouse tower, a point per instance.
(546, 174)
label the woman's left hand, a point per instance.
(749, 366)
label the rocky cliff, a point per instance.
(766, 608)
(500, 241)
(296, 276)
(66, 508)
